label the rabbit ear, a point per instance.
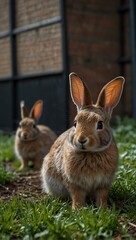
(79, 91)
(110, 94)
(36, 110)
(24, 110)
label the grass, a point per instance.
(6, 148)
(49, 218)
(5, 176)
(6, 154)
(52, 219)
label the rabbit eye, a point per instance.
(75, 123)
(34, 126)
(100, 125)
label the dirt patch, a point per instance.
(26, 184)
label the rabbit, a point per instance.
(32, 141)
(83, 160)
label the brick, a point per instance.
(93, 41)
(37, 50)
(5, 68)
(4, 16)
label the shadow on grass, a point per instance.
(124, 200)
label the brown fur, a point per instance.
(32, 141)
(83, 160)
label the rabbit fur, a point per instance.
(32, 141)
(82, 162)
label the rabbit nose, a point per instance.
(25, 135)
(82, 141)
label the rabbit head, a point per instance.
(91, 131)
(28, 129)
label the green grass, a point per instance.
(6, 155)
(6, 176)
(52, 219)
(49, 218)
(6, 148)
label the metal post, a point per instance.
(13, 60)
(133, 52)
(123, 59)
(122, 39)
(65, 58)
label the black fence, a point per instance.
(133, 52)
(52, 86)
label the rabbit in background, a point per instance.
(83, 160)
(32, 141)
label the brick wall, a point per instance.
(38, 50)
(4, 15)
(5, 69)
(93, 41)
(5, 61)
(31, 11)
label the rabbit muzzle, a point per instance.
(23, 136)
(26, 136)
(82, 143)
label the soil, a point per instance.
(26, 184)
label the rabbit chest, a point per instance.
(28, 149)
(90, 171)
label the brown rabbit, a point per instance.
(83, 160)
(32, 141)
